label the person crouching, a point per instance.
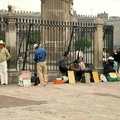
(77, 70)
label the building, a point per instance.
(113, 20)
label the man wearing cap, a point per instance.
(109, 66)
(4, 56)
(40, 59)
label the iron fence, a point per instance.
(108, 38)
(2, 29)
(56, 38)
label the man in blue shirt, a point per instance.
(40, 59)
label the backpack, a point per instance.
(35, 79)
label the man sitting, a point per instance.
(109, 70)
(84, 69)
(82, 64)
(63, 63)
(77, 70)
(109, 66)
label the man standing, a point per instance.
(4, 56)
(79, 53)
(40, 59)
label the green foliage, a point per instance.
(34, 37)
(2, 37)
(82, 43)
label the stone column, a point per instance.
(10, 35)
(98, 45)
(55, 38)
(42, 9)
(57, 10)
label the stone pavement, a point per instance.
(80, 101)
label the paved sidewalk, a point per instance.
(80, 101)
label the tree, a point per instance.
(2, 37)
(82, 43)
(34, 37)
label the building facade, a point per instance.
(113, 20)
(57, 10)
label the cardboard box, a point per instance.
(25, 79)
(24, 83)
(26, 74)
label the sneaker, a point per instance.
(42, 84)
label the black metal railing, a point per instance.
(108, 38)
(56, 38)
(2, 30)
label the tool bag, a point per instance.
(112, 76)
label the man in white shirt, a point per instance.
(79, 53)
(84, 69)
(82, 64)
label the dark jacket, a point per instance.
(108, 67)
(74, 67)
(63, 62)
(119, 56)
(116, 57)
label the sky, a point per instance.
(82, 7)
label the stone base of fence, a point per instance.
(52, 75)
(13, 77)
(99, 70)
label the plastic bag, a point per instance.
(103, 78)
(64, 78)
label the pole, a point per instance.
(70, 39)
(26, 47)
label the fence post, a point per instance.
(98, 45)
(10, 36)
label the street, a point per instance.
(79, 101)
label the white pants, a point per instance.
(3, 73)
